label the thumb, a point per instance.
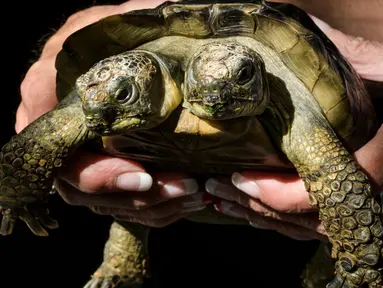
(95, 173)
(365, 56)
(282, 192)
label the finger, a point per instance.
(162, 210)
(93, 173)
(131, 200)
(258, 221)
(231, 194)
(364, 55)
(370, 158)
(37, 96)
(224, 189)
(161, 191)
(159, 223)
(282, 192)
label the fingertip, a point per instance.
(178, 188)
(134, 181)
(320, 23)
(284, 192)
(246, 185)
(92, 173)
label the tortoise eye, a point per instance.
(127, 95)
(245, 74)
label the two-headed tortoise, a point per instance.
(208, 89)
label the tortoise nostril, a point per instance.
(97, 111)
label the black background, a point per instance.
(182, 255)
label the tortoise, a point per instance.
(208, 88)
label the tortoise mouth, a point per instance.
(99, 128)
(217, 110)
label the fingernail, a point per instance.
(320, 23)
(194, 209)
(179, 188)
(227, 209)
(248, 186)
(217, 188)
(134, 181)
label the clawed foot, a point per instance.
(110, 282)
(358, 279)
(34, 215)
(101, 283)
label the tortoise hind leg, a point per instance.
(125, 257)
(320, 270)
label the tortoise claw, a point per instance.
(100, 283)
(93, 283)
(337, 282)
(48, 221)
(34, 218)
(7, 224)
(108, 283)
(32, 223)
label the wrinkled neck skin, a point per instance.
(170, 71)
(278, 115)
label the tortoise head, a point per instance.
(121, 93)
(225, 80)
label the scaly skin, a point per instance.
(125, 257)
(349, 212)
(132, 90)
(336, 184)
(30, 160)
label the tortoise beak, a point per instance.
(213, 99)
(99, 117)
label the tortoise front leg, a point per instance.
(31, 159)
(125, 258)
(351, 215)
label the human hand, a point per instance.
(280, 201)
(97, 180)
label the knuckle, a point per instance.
(358, 45)
(361, 51)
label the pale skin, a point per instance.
(122, 188)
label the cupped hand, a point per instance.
(97, 181)
(280, 201)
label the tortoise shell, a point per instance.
(285, 29)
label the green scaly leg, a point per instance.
(125, 258)
(351, 215)
(30, 161)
